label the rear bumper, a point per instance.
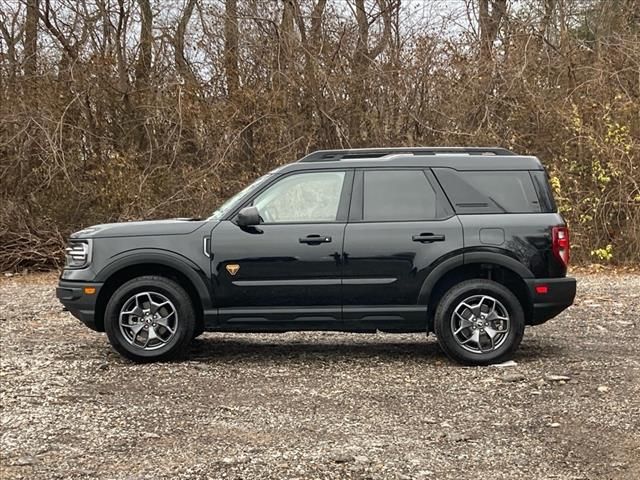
(81, 305)
(560, 293)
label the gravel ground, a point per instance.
(321, 405)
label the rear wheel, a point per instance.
(150, 318)
(479, 322)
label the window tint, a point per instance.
(541, 182)
(397, 195)
(232, 202)
(489, 191)
(304, 197)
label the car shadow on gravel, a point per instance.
(211, 349)
(532, 349)
(216, 349)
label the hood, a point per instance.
(174, 226)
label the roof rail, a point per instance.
(334, 155)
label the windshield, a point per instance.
(231, 203)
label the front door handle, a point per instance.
(315, 239)
(427, 238)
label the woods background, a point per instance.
(125, 109)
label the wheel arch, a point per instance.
(162, 264)
(493, 266)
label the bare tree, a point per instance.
(143, 108)
(11, 32)
(178, 44)
(490, 15)
(364, 56)
(143, 64)
(231, 46)
(31, 39)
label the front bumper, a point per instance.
(81, 305)
(560, 293)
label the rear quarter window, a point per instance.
(489, 191)
(543, 189)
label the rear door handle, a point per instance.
(315, 239)
(427, 238)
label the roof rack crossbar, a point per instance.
(334, 155)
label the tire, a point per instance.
(465, 322)
(150, 310)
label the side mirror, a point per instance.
(248, 217)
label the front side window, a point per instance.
(234, 201)
(398, 195)
(303, 197)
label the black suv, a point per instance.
(463, 242)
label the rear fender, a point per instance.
(469, 258)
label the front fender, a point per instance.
(193, 272)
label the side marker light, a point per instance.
(542, 289)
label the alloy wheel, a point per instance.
(480, 324)
(148, 320)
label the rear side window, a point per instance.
(398, 195)
(489, 191)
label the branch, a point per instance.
(178, 43)
(46, 19)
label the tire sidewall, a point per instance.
(468, 289)
(169, 289)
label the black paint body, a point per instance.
(364, 276)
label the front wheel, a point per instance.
(150, 318)
(479, 322)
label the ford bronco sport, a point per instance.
(463, 242)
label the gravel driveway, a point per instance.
(321, 405)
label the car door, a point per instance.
(288, 268)
(400, 226)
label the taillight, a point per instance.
(561, 245)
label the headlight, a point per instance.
(78, 254)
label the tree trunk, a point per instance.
(182, 65)
(231, 47)
(31, 39)
(243, 123)
(11, 41)
(286, 38)
(143, 65)
(490, 20)
(363, 56)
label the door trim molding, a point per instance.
(369, 281)
(286, 283)
(280, 315)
